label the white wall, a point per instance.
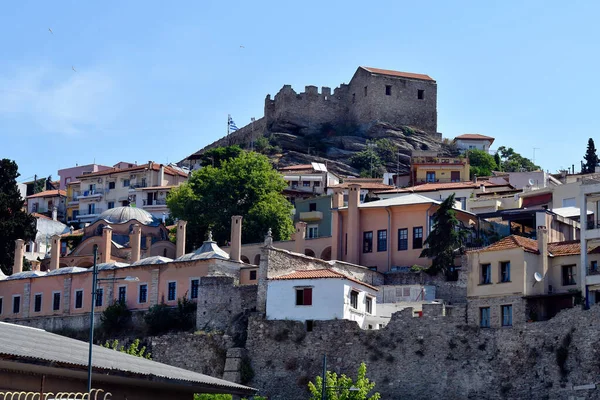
(464, 144)
(359, 314)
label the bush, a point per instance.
(133, 349)
(162, 318)
(185, 314)
(115, 318)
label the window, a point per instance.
(126, 182)
(455, 176)
(507, 315)
(505, 271)
(369, 305)
(388, 90)
(111, 185)
(402, 239)
(294, 184)
(382, 240)
(420, 94)
(594, 266)
(143, 293)
(1, 301)
(486, 274)
(143, 182)
(418, 237)
(56, 301)
(67, 180)
(111, 204)
(252, 275)
(365, 91)
(317, 184)
(310, 325)
(79, 298)
(16, 304)
(312, 206)
(91, 208)
(195, 284)
(122, 294)
(312, 231)
(37, 303)
(484, 317)
(430, 176)
(568, 275)
(172, 292)
(354, 299)
(304, 296)
(99, 297)
(368, 242)
(306, 183)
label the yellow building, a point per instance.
(429, 167)
(73, 192)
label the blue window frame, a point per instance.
(172, 292)
(484, 317)
(507, 315)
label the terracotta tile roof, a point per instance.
(319, 274)
(429, 187)
(365, 183)
(556, 249)
(42, 216)
(155, 167)
(474, 136)
(48, 193)
(398, 73)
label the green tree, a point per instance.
(482, 163)
(514, 162)
(338, 387)
(498, 161)
(590, 158)
(445, 237)
(246, 185)
(15, 223)
(368, 163)
(115, 318)
(133, 349)
(386, 150)
(217, 155)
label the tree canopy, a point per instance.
(445, 237)
(247, 185)
(15, 223)
(482, 163)
(338, 387)
(217, 155)
(590, 158)
(514, 162)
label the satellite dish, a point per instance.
(531, 182)
(537, 276)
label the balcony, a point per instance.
(135, 186)
(438, 180)
(438, 160)
(89, 213)
(592, 230)
(154, 203)
(91, 194)
(311, 216)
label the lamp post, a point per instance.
(95, 280)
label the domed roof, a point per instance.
(121, 215)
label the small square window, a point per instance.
(304, 297)
(317, 184)
(252, 275)
(111, 185)
(312, 206)
(388, 90)
(111, 204)
(125, 182)
(420, 94)
(306, 183)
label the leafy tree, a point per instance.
(514, 162)
(366, 161)
(115, 318)
(15, 223)
(246, 185)
(133, 349)
(445, 237)
(591, 158)
(338, 387)
(215, 156)
(498, 161)
(386, 150)
(262, 144)
(482, 163)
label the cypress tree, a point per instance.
(15, 223)
(591, 158)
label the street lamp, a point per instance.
(95, 280)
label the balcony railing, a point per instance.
(594, 224)
(137, 186)
(159, 202)
(91, 193)
(311, 216)
(96, 211)
(438, 160)
(438, 180)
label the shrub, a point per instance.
(133, 348)
(185, 314)
(159, 319)
(115, 318)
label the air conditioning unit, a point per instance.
(99, 180)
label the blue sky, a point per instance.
(155, 80)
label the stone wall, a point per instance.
(78, 322)
(519, 310)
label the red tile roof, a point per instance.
(319, 274)
(155, 167)
(365, 183)
(398, 73)
(429, 187)
(556, 249)
(48, 193)
(42, 216)
(474, 136)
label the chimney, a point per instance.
(106, 245)
(474, 178)
(148, 246)
(54, 213)
(353, 228)
(55, 253)
(338, 198)
(235, 250)
(180, 238)
(161, 175)
(482, 188)
(135, 242)
(19, 254)
(542, 239)
(299, 237)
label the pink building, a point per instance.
(68, 175)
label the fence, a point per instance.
(94, 394)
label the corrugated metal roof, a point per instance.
(207, 251)
(152, 261)
(36, 344)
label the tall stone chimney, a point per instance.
(337, 200)
(106, 245)
(19, 254)
(54, 213)
(135, 242)
(353, 228)
(55, 253)
(161, 175)
(299, 237)
(542, 239)
(180, 238)
(236, 238)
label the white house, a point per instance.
(322, 294)
(474, 141)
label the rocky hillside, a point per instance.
(335, 144)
